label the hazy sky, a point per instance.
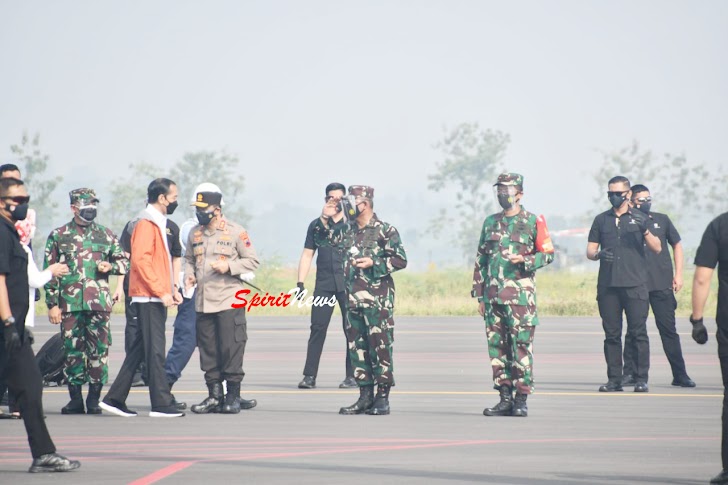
(307, 92)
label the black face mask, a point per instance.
(172, 207)
(617, 200)
(645, 207)
(506, 201)
(19, 212)
(88, 214)
(204, 217)
(349, 206)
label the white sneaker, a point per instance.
(117, 408)
(165, 413)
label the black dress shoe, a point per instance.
(641, 387)
(684, 382)
(721, 478)
(53, 462)
(628, 380)
(308, 382)
(611, 386)
(348, 383)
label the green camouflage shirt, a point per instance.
(370, 287)
(82, 248)
(495, 278)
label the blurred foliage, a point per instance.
(446, 292)
(129, 196)
(33, 164)
(679, 188)
(472, 157)
(220, 168)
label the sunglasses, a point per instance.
(18, 199)
(618, 194)
(643, 200)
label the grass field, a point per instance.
(446, 292)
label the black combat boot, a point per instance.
(213, 402)
(233, 402)
(504, 407)
(520, 408)
(365, 401)
(75, 406)
(381, 401)
(92, 399)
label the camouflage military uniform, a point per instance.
(509, 292)
(370, 291)
(83, 295)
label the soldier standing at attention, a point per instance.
(373, 251)
(218, 252)
(509, 253)
(81, 301)
(712, 252)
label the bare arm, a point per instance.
(653, 242)
(304, 264)
(592, 249)
(4, 300)
(678, 256)
(701, 289)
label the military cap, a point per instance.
(82, 195)
(510, 178)
(362, 191)
(206, 199)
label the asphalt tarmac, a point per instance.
(435, 434)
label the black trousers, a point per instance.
(131, 330)
(221, 339)
(320, 318)
(634, 303)
(150, 344)
(722, 337)
(663, 305)
(23, 378)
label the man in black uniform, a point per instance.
(617, 240)
(662, 285)
(713, 251)
(329, 282)
(17, 362)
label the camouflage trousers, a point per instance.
(510, 330)
(86, 341)
(370, 333)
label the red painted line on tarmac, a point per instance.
(163, 473)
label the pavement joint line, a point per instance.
(438, 393)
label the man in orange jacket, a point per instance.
(152, 290)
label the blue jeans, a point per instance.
(184, 340)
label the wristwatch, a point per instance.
(9, 321)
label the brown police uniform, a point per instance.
(221, 329)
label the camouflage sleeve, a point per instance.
(394, 257)
(481, 267)
(537, 259)
(335, 233)
(119, 263)
(52, 288)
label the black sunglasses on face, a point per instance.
(642, 200)
(19, 199)
(609, 194)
